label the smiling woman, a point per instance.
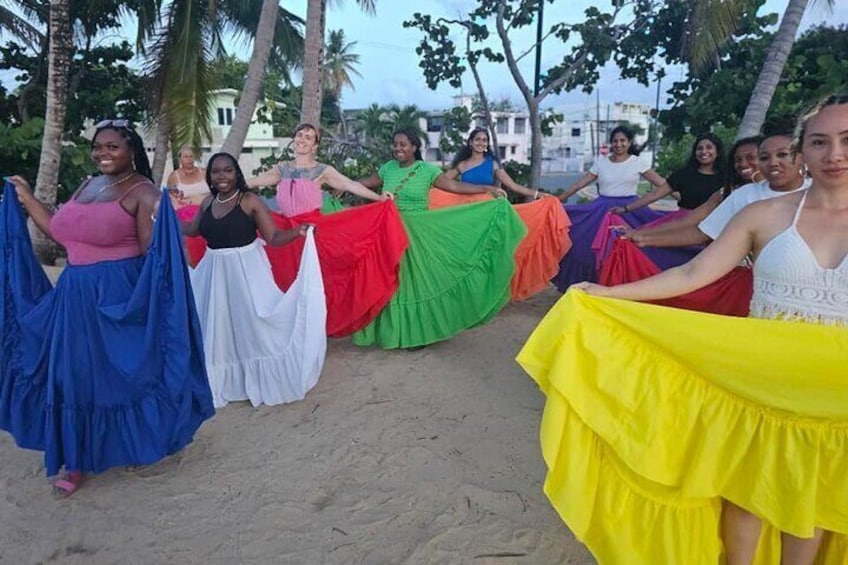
(84, 374)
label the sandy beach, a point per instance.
(426, 457)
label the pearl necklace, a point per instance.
(225, 200)
(116, 183)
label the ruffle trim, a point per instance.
(476, 296)
(265, 380)
(538, 255)
(769, 310)
(625, 521)
(94, 439)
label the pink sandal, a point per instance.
(67, 485)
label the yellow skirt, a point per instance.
(654, 415)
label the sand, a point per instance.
(427, 457)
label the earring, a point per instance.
(133, 163)
(802, 170)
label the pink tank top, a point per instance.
(297, 192)
(96, 231)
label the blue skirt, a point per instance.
(107, 368)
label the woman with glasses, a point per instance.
(188, 188)
(106, 369)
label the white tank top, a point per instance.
(193, 189)
(790, 284)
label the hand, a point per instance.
(617, 210)
(545, 195)
(564, 196)
(22, 187)
(303, 229)
(387, 196)
(623, 231)
(591, 288)
(640, 239)
(497, 192)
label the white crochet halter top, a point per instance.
(790, 284)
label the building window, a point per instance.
(502, 151)
(575, 132)
(512, 149)
(480, 122)
(435, 124)
(220, 116)
(247, 149)
(520, 125)
(503, 125)
(229, 112)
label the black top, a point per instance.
(694, 187)
(235, 229)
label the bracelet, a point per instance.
(536, 195)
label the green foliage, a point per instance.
(519, 172)
(456, 122)
(817, 66)
(674, 154)
(101, 85)
(20, 150)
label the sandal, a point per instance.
(67, 485)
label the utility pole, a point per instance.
(598, 119)
(538, 72)
(656, 139)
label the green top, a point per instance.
(410, 185)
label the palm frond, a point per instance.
(709, 27)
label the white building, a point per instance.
(584, 133)
(512, 128)
(259, 144)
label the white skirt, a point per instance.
(261, 344)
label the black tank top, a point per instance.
(235, 229)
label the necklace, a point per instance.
(227, 199)
(116, 183)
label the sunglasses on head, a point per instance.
(113, 123)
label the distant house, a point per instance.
(259, 143)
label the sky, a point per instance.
(389, 65)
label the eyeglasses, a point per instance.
(113, 123)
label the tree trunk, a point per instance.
(535, 144)
(484, 100)
(58, 68)
(163, 150)
(262, 44)
(313, 63)
(758, 105)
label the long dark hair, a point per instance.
(634, 149)
(466, 150)
(241, 183)
(718, 164)
(413, 139)
(733, 179)
(125, 129)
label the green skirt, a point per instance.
(331, 204)
(455, 274)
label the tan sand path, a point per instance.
(427, 457)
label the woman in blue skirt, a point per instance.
(106, 369)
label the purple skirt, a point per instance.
(579, 263)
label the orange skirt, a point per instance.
(539, 253)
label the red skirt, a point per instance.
(730, 295)
(195, 246)
(360, 251)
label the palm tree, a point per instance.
(273, 28)
(178, 64)
(778, 54)
(339, 65)
(373, 123)
(408, 117)
(24, 26)
(313, 59)
(58, 68)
